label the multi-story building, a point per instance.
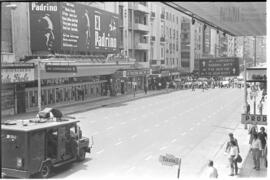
(41, 39)
(134, 31)
(230, 50)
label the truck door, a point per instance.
(61, 143)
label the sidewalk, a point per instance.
(246, 167)
(90, 104)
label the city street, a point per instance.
(129, 137)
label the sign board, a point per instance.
(169, 160)
(17, 73)
(256, 75)
(61, 68)
(219, 66)
(70, 26)
(251, 118)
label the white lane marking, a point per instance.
(184, 133)
(131, 169)
(108, 128)
(148, 157)
(146, 130)
(123, 123)
(101, 151)
(116, 144)
(162, 148)
(173, 141)
(135, 135)
(191, 129)
(198, 123)
(157, 125)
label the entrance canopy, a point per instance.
(235, 18)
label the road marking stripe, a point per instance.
(162, 148)
(135, 135)
(108, 128)
(146, 130)
(123, 123)
(116, 144)
(131, 169)
(101, 151)
(184, 133)
(198, 124)
(148, 157)
(191, 129)
(173, 141)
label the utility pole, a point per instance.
(245, 78)
(39, 84)
(254, 66)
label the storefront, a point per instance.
(14, 77)
(126, 77)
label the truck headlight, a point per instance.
(19, 162)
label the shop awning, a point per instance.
(237, 18)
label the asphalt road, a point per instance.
(129, 137)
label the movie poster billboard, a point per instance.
(77, 27)
(44, 26)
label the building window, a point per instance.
(173, 17)
(167, 15)
(176, 19)
(162, 52)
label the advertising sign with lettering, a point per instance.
(251, 118)
(256, 75)
(88, 29)
(61, 68)
(69, 26)
(219, 66)
(44, 26)
(206, 40)
(13, 74)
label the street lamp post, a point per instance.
(245, 79)
(39, 84)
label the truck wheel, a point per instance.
(81, 156)
(45, 171)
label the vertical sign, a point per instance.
(206, 40)
(125, 28)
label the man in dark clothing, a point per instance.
(263, 137)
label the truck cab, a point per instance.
(36, 146)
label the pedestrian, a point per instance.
(228, 146)
(253, 129)
(248, 109)
(263, 138)
(145, 88)
(256, 147)
(233, 154)
(212, 171)
(260, 106)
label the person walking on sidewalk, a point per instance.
(253, 129)
(263, 137)
(212, 171)
(256, 147)
(233, 154)
(228, 146)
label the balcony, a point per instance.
(162, 39)
(140, 7)
(153, 38)
(141, 46)
(141, 27)
(162, 16)
(153, 15)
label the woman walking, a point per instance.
(233, 154)
(256, 147)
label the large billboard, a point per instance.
(206, 40)
(74, 27)
(44, 26)
(228, 66)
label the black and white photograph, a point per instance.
(134, 90)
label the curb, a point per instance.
(120, 101)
